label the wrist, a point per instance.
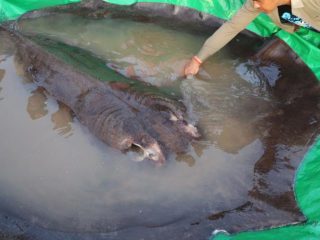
(197, 60)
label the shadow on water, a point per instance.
(64, 183)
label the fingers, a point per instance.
(192, 68)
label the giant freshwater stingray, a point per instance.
(286, 138)
(125, 116)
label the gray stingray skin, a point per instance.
(118, 115)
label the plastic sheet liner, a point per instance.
(12, 9)
(307, 190)
(305, 43)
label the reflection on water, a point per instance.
(62, 120)
(37, 104)
(37, 108)
(54, 173)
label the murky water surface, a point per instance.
(55, 174)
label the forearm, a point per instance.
(228, 30)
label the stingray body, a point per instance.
(121, 116)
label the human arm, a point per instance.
(223, 35)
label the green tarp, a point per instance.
(305, 43)
(12, 9)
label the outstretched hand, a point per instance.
(192, 67)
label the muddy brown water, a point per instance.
(56, 179)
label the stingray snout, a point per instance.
(154, 153)
(151, 150)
